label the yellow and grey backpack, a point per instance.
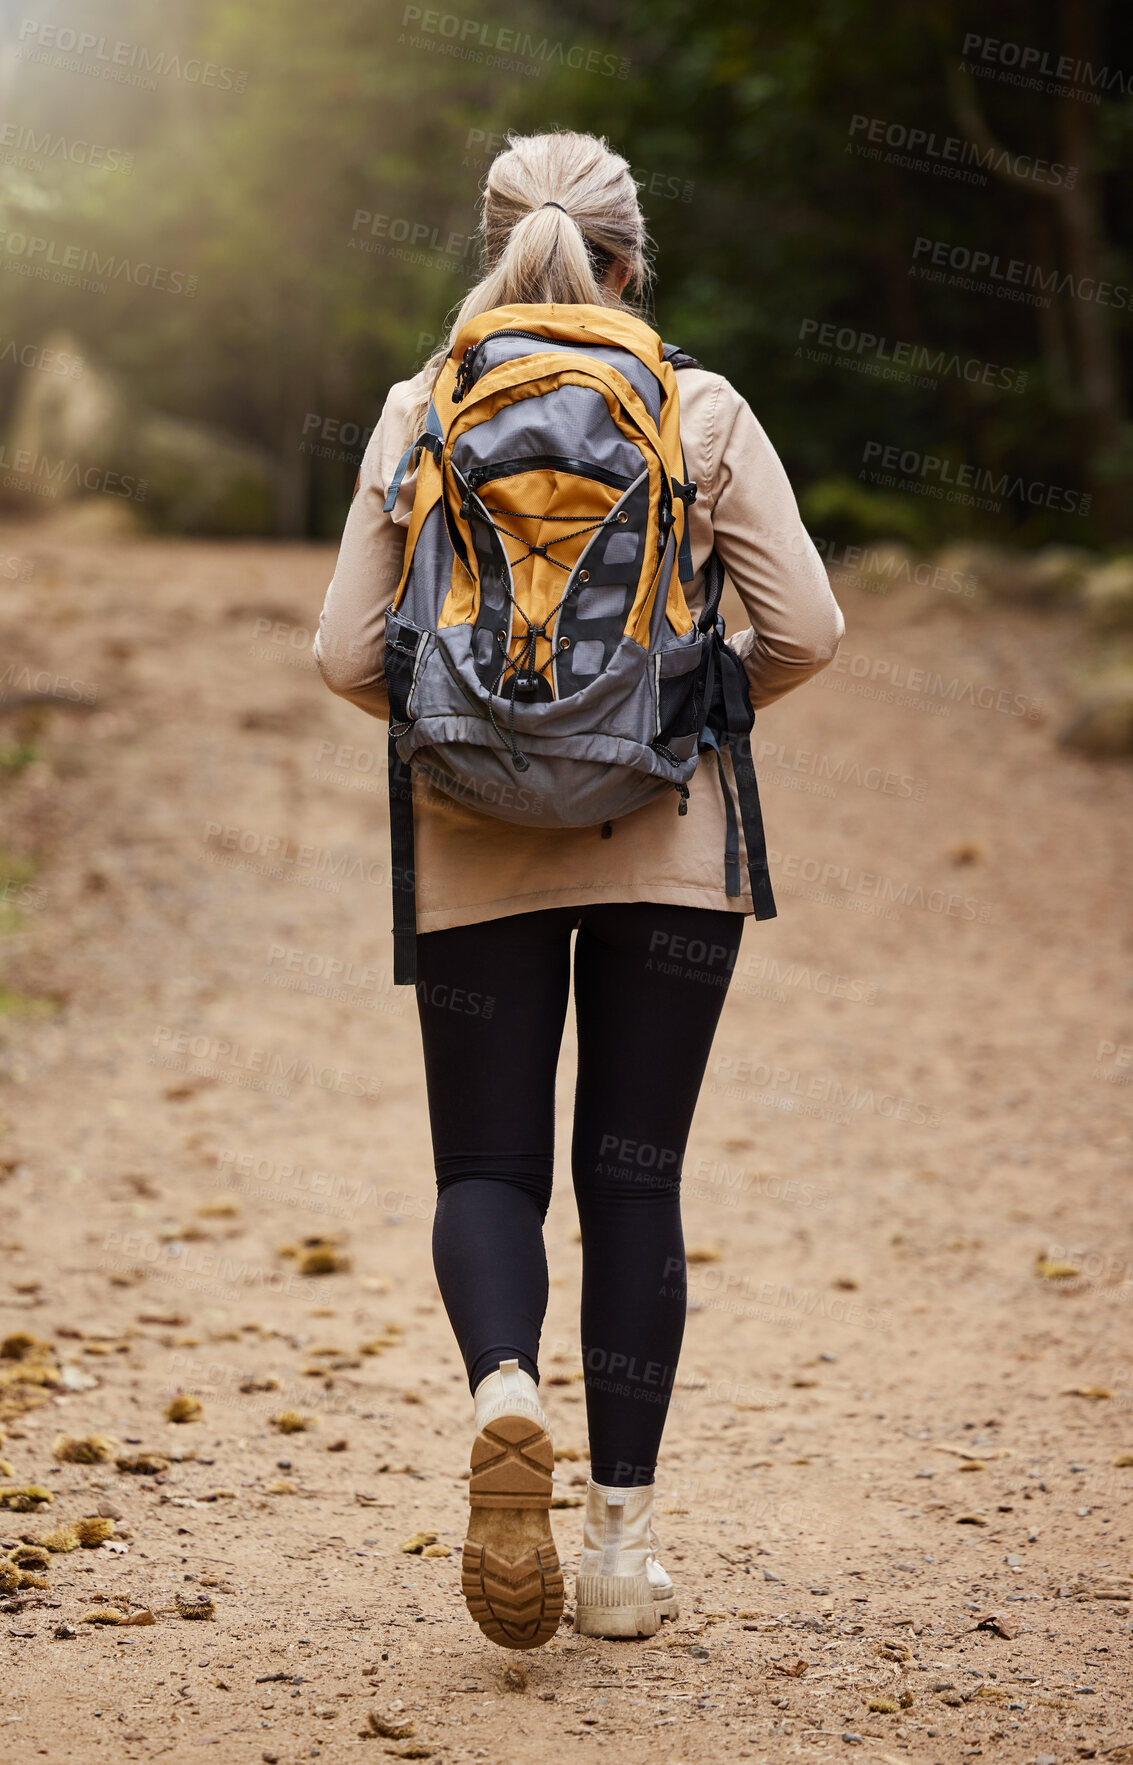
(541, 662)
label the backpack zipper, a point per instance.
(467, 373)
(468, 370)
(545, 462)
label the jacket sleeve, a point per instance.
(796, 624)
(350, 644)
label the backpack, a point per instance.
(542, 664)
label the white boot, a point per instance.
(510, 1392)
(622, 1590)
(511, 1578)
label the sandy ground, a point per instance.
(896, 1478)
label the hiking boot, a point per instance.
(510, 1574)
(622, 1589)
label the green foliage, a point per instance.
(851, 510)
(14, 756)
(326, 212)
(24, 1005)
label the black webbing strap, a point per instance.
(401, 869)
(713, 589)
(740, 718)
(732, 832)
(728, 724)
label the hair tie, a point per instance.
(557, 205)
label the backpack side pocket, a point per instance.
(403, 650)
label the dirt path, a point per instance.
(918, 1089)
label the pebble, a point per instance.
(851, 1739)
(1013, 1561)
(770, 1575)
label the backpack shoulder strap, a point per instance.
(433, 438)
(679, 358)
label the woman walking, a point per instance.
(496, 889)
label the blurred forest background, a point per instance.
(246, 188)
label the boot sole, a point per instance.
(510, 1572)
(619, 1622)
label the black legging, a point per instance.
(649, 986)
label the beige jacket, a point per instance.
(470, 867)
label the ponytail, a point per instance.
(558, 211)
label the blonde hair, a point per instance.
(557, 212)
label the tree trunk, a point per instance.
(1097, 369)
